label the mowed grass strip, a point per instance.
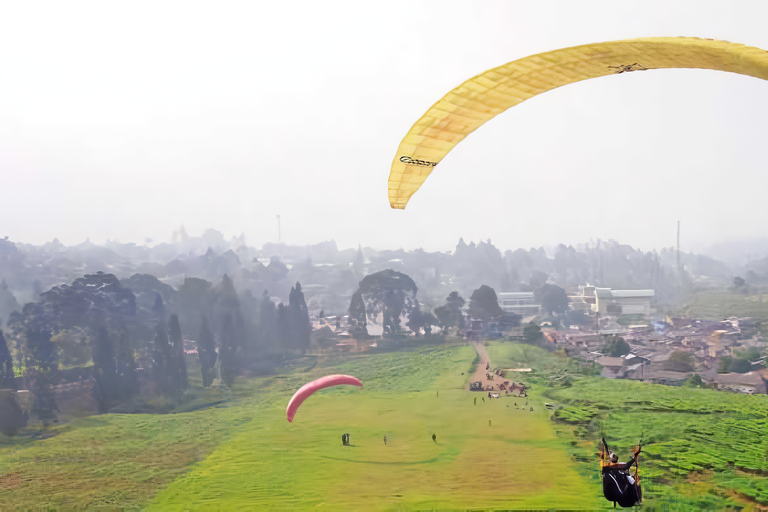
(515, 461)
(112, 460)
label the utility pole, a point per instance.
(679, 268)
(279, 235)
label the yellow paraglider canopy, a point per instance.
(470, 105)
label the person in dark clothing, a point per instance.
(619, 486)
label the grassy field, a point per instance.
(244, 454)
(723, 304)
(487, 456)
(704, 450)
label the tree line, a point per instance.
(135, 338)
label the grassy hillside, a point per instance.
(703, 449)
(722, 304)
(516, 461)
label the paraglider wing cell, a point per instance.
(479, 99)
(323, 382)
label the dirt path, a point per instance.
(481, 373)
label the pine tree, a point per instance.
(358, 266)
(227, 351)
(105, 370)
(178, 368)
(44, 401)
(300, 326)
(39, 351)
(228, 303)
(161, 358)
(284, 327)
(159, 307)
(206, 352)
(268, 322)
(127, 382)
(104, 352)
(357, 315)
(6, 365)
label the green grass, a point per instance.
(718, 305)
(694, 439)
(245, 455)
(516, 462)
(704, 449)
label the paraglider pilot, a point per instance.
(619, 466)
(619, 486)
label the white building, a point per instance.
(520, 303)
(614, 302)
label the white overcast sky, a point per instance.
(126, 120)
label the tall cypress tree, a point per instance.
(206, 352)
(104, 352)
(357, 315)
(127, 381)
(300, 326)
(161, 358)
(268, 323)
(227, 351)
(6, 365)
(44, 400)
(284, 327)
(105, 370)
(40, 351)
(178, 365)
(228, 303)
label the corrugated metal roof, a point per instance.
(747, 379)
(632, 293)
(610, 361)
(607, 293)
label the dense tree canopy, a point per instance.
(390, 294)
(552, 298)
(6, 365)
(450, 314)
(616, 346)
(484, 305)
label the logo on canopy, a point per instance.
(409, 160)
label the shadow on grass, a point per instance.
(28, 436)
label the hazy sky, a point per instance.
(125, 120)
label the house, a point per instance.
(666, 377)
(520, 303)
(623, 302)
(612, 366)
(613, 302)
(749, 383)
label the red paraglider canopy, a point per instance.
(323, 382)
